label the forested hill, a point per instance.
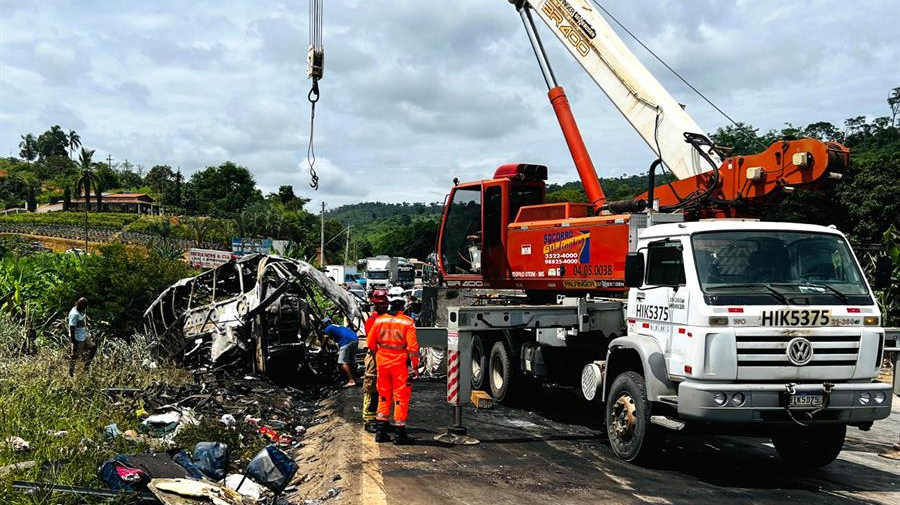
(409, 229)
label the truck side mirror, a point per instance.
(634, 270)
(883, 267)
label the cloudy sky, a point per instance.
(415, 91)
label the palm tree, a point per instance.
(88, 180)
(74, 141)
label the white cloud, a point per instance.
(413, 95)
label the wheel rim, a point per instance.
(477, 357)
(497, 372)
(624, 418)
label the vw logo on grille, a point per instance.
(799, 351)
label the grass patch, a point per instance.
(38, 399)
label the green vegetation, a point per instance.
(38, 399)
(95, 220)
(119, 282)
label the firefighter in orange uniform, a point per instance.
(379, 300)
(393, 339)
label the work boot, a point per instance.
(381, 432)
(400, 436)
(370, 427)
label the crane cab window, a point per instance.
(665, 263)
(493, 216)
(461, 244)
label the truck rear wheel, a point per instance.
(631, 435)
(501, 373)
(812, 447)
(479, 364)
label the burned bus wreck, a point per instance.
(259, 311)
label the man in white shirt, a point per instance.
(78, 334)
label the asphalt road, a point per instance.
(560, 455)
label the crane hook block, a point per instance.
(315, 63)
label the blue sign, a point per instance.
(242, 247)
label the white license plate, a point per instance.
(807, 400)
(795, 317)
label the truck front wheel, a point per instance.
(812, 447)
(631, 435)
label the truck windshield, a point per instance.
(788, 266)
(378, 275)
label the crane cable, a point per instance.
(315, 67)
(740, 128)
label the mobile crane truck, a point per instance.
(732, 325)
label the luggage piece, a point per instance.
(272, 468)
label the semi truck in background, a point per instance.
(403, 273)
(383, 272)
(378, 272)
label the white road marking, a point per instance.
(372, 480)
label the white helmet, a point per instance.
(395, 294)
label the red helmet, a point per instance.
(378, 296)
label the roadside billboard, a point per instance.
(208, 258)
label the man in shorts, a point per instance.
(82, 345)
(348, 341)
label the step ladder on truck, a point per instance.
(672, 311)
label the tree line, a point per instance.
(54, 165)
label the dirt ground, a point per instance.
(560, 455)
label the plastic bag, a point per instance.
(212, 459)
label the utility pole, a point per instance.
(109, 161)
(347, 247)
(322, 240)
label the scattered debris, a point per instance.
(18, 444)
(245, 486)
(80, 491)
(8, 469)
(211, 458)
(112, 432)
(228, 420)
(168, 489)
(272, 468)
(332, 493)
(119, 475)
(58, 434)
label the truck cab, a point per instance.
(765, 324)
(378, 273)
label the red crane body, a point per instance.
(501, 233)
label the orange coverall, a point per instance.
(393, 338)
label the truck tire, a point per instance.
(632, 437)
(501, 373)
(812, 447)
(479, 364)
